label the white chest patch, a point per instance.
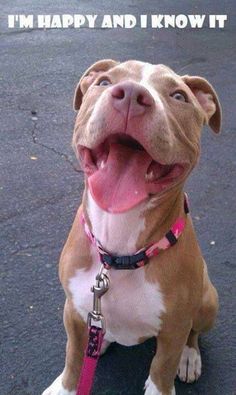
(132, 307)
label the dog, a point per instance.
(137, 136)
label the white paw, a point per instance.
(151, 389)
(56, 388)
(190, 366)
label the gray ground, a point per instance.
(41, 189)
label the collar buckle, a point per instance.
(125, 262)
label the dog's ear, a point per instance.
(88, 77)
(207, 99)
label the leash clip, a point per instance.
(101, 287)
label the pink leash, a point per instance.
(95, 336)
(92, 354)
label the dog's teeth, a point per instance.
(101, 164)
(149, 176)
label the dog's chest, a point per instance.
(132, 306)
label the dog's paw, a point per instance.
(190, 366)
(56, 388)
(151, 389)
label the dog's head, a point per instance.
(137, 132)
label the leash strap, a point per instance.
(90, 361)
(96, 331)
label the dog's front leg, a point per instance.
(166, 361)
(76, 331)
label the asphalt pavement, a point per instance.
(41, 184)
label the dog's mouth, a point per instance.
(121, 173)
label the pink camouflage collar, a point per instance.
(141, 257)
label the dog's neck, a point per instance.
(125, 233)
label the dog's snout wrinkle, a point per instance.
(131, 99)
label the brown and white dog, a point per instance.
(137, 135)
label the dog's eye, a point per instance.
(104, 82)
(181, 96)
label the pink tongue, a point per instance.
(120, 184)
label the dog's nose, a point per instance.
(131, 97)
